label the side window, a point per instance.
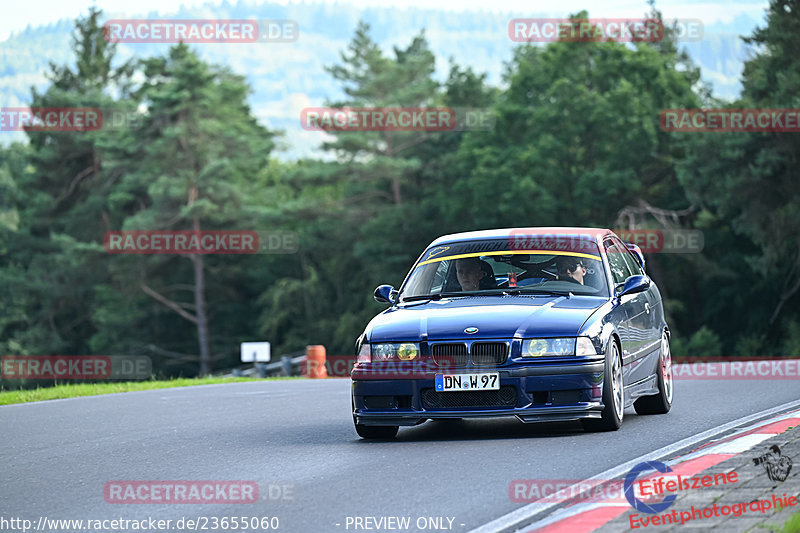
(616, 261)
(632, 262)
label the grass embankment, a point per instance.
(93, 389)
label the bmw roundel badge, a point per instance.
(471, 330)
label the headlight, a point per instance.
(405, 351)
(548, 347)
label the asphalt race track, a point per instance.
(297, 436)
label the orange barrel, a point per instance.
(315, 361)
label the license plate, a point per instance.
(465, 382)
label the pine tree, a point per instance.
(196, 152)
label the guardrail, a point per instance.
(314, 363)
(287, 366)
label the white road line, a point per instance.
(523, 516)
(741, 444)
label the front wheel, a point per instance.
(660, 403)
(376, 432)
(613, 394)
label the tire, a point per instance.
(613, 394)
(660, 403)
(376, 432)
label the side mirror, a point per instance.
(635, 284)
(385, 294)
(636, 252)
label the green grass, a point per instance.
(790, 526)
(94, 389)
(793, 524)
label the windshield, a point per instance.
(558, 265)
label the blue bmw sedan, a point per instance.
(543, 324)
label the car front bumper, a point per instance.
(532, 393)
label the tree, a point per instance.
(577, 135)
(750, 184)
(60, 211)
(372, 80)
(197, 149)
(16, 305)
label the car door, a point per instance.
(653, 316)
(634, 334)
(651, 321)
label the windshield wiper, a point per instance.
(522, 290)
(421, 297)
(440, 295)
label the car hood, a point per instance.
(495, 317)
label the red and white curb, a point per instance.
(583, 518)
(748, 431)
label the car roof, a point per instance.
(596, 234)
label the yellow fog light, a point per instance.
(534, 348)
(407, 352)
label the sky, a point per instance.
(42, 12)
